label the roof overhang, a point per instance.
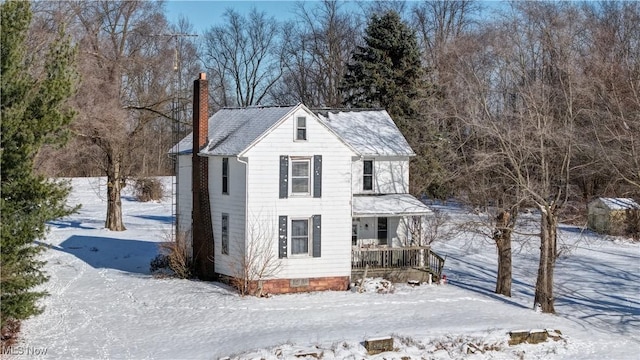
(388, 205)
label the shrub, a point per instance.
(148, 189)
(159, 263)
(176, 250)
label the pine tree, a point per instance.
(33, 114)
(386, 71)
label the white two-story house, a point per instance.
(306, 198)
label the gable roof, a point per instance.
(368, 132)
(619, 203)
(371, 132)
(231, 130)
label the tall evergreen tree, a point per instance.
(33, 114)
(386, 71)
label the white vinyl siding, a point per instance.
(390, 175)
(334, 205)
(184, 199)
(184, 195)
(232, 205)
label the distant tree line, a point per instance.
(465, 67)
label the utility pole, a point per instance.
(177, 126)
(177, 68)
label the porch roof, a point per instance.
(388, 205)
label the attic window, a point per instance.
(301, 128)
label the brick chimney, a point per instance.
(200, 112)
(202, 231)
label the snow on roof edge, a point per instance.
(619, 203)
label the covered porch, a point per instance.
(397, 264)
(387, 239)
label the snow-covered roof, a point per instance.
(369, 132)
(231, 130)
(619, 203)
(388, 205)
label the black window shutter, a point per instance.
(284, 176)
(317, 225)
(282, 239)
(317, 176)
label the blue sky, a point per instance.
(203, 14)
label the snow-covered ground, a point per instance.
(104, 304)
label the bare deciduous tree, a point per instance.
(527, 110)
(316, 51)
(255, 258)
(439, 24)
(612, 63)
(380, 7)
(441, 28)
(243, 57)
(431, 228)
(124, 87)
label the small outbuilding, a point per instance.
(614, 216)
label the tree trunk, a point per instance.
(502, 237)
(548, 238)
(115, 183)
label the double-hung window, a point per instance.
(225, 175)
(300, 176)
(300, 237)
(301, 128)
(225, 233)
(367, 175)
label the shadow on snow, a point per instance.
(75, 224)
(125, 255)
(479, 280)
(162, 219)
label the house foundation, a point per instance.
(287, 286)
(290, 286)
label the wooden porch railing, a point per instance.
(417, 257)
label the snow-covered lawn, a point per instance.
(104, 304)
